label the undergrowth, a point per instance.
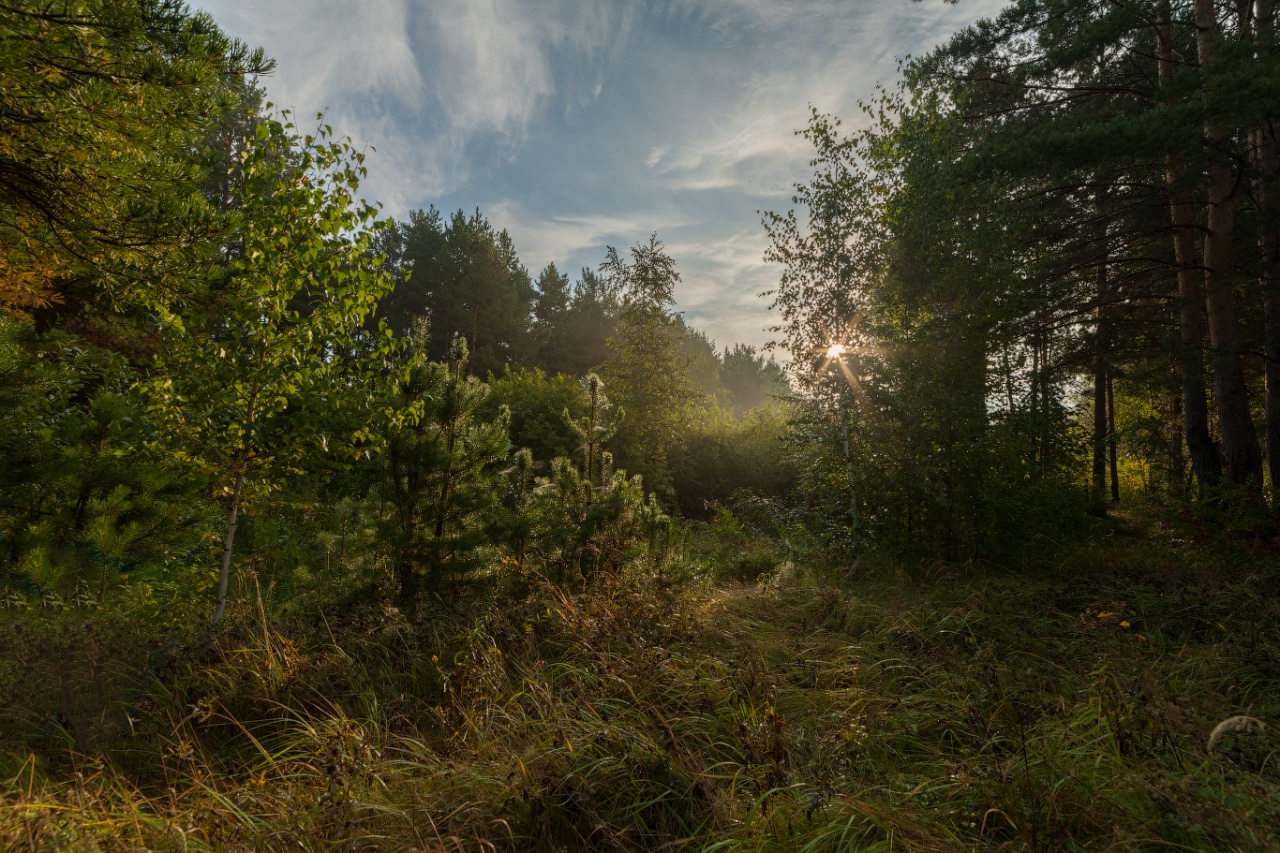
(937, 708)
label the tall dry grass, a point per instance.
(943, 708)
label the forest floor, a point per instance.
(1069, 706)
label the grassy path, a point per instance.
(1066, 708)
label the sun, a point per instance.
(835, 350)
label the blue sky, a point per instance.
(576, 124)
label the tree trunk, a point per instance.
(1177, 465)
(848, 457)
(228, 543)
(1099, 479)
(442, 507)
(1242, 459)
(1008, 381)
(402, 470)
(1268, 160)
(1035, 397)
(1112, 445)
(591, 441)
(1205, 462)
(405, 575)
(1101, 347)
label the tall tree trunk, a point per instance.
(1268, 160)
(1102, 345)
(1100, 418)
(1205, 463)
(1039, 397)
(1177, 464)
(1112, 449)
(1099, 480)
(442, 505)
(228, 543)
(407, 556)
(1242, 458)
(848, 457)
(1008, 381)
(592, 414)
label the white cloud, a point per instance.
(552, 106)
(721, 280)
(489, 72)
(541, 239)
(329, 51)
(828, 54)
(424, 82)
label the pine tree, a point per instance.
(107, 106)
(465, 278)
(596, 426)
(590, 321)
(550, 314)
(439, 468)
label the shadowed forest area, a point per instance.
(325, 530)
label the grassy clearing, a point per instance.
(1067, 708)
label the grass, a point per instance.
(1066, 707)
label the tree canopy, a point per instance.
(98, 198)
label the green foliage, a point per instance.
(589, 324)
(722, 455)
(702, 366)
(949, 437)
(551, 328)
(588, 671)
(84, 504)
(1064, 707)
(750, 380)
(597, 425)
(514, 525)
(106, 107)
(246, 395)
(465, 278)
(537, 403)
(438, 468)
(585, 528)
(590, 520)
(1149, 440)
(646, 367)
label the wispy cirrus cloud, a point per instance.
(790, 55)
(541, 239)
(439, 89)
(577, 124)
(330, 51)
(721, 282)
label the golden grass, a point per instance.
(983, 711)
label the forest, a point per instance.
(322, 529)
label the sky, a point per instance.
(580, 124)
